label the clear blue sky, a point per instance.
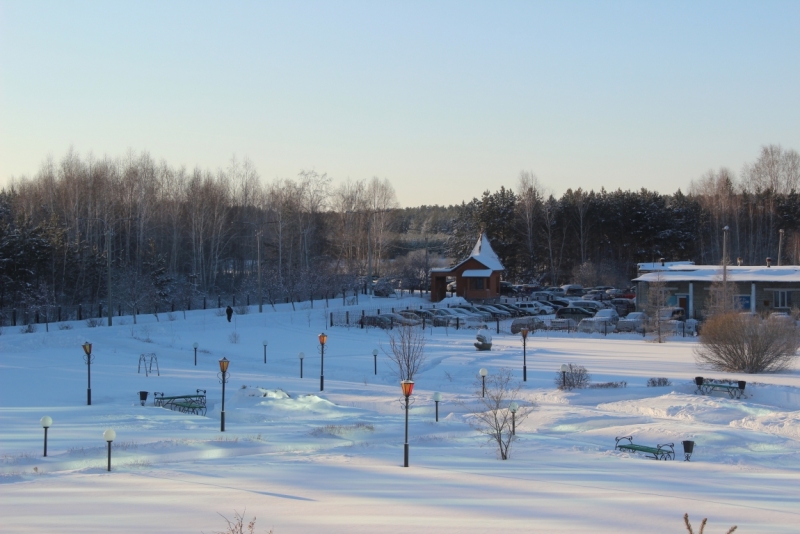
(445, 99)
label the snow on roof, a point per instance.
(656, 266)
(477, 273)
(712, 273)
(483, 253)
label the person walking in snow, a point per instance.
(229, 313)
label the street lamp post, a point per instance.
(564, 369)
(780, 245)
(322, 339)
(195, 345)
(88, 358)
(223, 369)
(437, 398)
(46, 421)
(483, 373)
(524, 333)
(301, 356)
(513, 407)
(408, 387)
(265, 350)
(375, 357)
(109, 435)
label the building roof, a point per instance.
(657, 266)
(477, 273)
(481, 252)
(713, 273)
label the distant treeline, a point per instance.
(173, 233)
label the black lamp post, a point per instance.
(265, 350)
(223, 377)
(408, 387)
(375, 357)
(437, 398)
(87, 357)
(513, 407)
(301, 356)
(524, 333)
(322, 339)
(483, 372)
(195, 345)
(46, 421)
(109, 435)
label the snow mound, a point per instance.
(679, 406)
(786, 424)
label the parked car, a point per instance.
(531, 323)
(495, 312)
(574, 313)
(623, 306)
(397, 319)
(376, 321)
(558, 303)
(471, 310)
(512, 310)
(538, 308)
(588, 304)
(633, 322)
(573, 290)
(672, 314)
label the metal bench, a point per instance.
(706, 388)
(659, 452)
(194, 404)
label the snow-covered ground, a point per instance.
(301, 460)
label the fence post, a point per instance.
(59, 314)
(173, 305)
(100, 311)
(458, 320)
(80, 312)
(14, 317)
(37, 316)
(423, 323)
(189, 304)
(219, 301)
(248, 299)
(363, 314)
(347, 317)
(498, 324)
(331, 319)
(119, 311)
(204, 302)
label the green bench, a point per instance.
(705, 387)
(194, 404)
(659, 452)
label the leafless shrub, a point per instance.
(406, 351)
(233, 337)
(609, 385)
(658, 382)
(94, 322)
(219, 312)
(493, 417)
(28, 329)
(736, 342)
(237, 526)
(341, 430)
(702, 525)
(242, 310)
(172, 316)
(64, 326)
(576, 377)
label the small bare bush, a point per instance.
(576, 377)
(745, 343)
(237, 526)
(64, 326)
(658, 382)
(242, 310)
(234, 337)
(609, 385)
(702, 525)
(493, 417)
(219, 312)
(172, 316)
(94, 322)
(28, 329)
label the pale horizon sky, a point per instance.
(445, 99)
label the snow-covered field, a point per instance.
(301, 460)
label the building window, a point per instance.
(782, 299)
(478, 284)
